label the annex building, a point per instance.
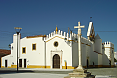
(59, 50)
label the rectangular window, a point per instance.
(23, 50)
(33, 46)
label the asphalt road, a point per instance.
(52, 73)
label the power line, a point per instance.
(97, 31)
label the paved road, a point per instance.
(40, 75)
(54, 73)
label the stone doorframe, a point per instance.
(52, 53)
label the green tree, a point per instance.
(115, 60)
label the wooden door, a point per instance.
(56, 61)
(20, 62)
(24, 63)
(87, 63)
(5, 63)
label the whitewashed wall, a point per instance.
(75, 54)
(115, 55)
(109, 51)
(67, 50)
(63, 50)
(12, 58)
(34, 57)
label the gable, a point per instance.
(97, 37)
(53, 38)
(90, 29)
(91, 32)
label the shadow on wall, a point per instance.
(105, 61)
(14, 71)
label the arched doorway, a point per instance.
(56, 61)
(87, 63)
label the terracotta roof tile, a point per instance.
(4, 52)
(36, 36)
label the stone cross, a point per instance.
(79, 45)
(80, 72)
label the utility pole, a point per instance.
(17, 29)
(68, 33)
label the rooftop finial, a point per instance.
(56, 29)
(90, 19)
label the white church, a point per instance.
(59, 50)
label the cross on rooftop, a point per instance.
(79, 26)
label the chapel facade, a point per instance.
(59, 50)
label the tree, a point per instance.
(115, 60)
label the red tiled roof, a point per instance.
(4, 52)
(36, 36)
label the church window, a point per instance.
(33, 46)
(56, 44)
(23, 50)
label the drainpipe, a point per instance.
(45, 53)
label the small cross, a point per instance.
(90, 19)
(79, 26)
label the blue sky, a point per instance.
(37, 17)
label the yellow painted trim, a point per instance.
(112, 65)
(68, 67)
(13, 66)
(65, 65)
(100, 65)
(82, 43)
(32, 46)
(28, 66)
(47, 66)
(36, 66)
(56, 29)
(22, 50)
(54, 37)
(67, 40)
(98, 52)
(88, 45)
(90, 65)
(61, 38)
(71, 40)
(108, 47)
(84, 66)
(8, 67)
(106, 65)
(2, 67)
